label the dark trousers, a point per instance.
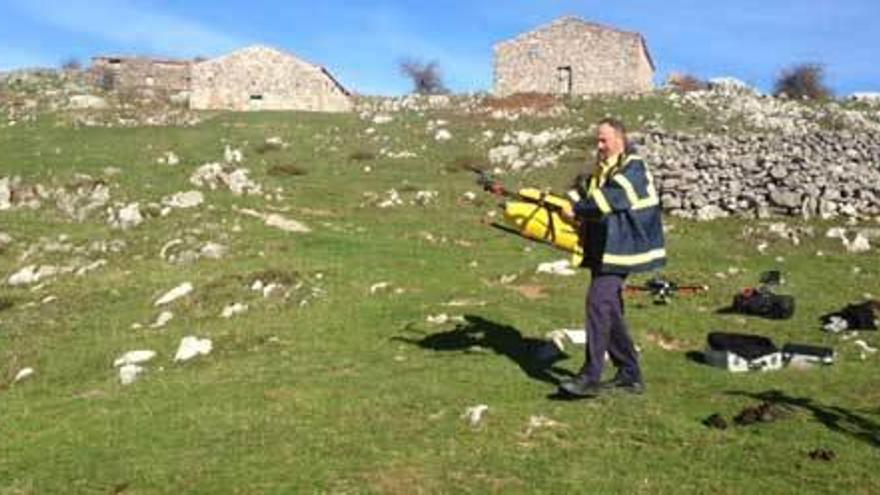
(607, 330)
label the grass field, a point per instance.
(338, 389)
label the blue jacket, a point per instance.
(621, 229)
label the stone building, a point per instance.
(263, 78)
(570, 56)
(141, 73)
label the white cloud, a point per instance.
(130, 26)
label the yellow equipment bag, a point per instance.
(535, 218)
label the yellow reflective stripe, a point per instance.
(635, 201)
(634, 259)
(600, 200)
(627, 188)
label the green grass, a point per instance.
(335, 394)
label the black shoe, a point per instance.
(625, 384)
(580, 386)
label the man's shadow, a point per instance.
(833, 417)
(535, 357)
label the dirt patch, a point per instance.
(766, 412)
(286, 170)
(6, 303)
(362, 156)
(666, 342)
(533, 101)
(531, 292)
(403, 480)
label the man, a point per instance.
(619, 215)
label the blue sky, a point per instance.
(361, 42)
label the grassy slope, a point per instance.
(336, 395)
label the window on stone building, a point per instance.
(256, 97)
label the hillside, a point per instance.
(358, 303)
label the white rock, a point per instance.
(163, 319)
(286, 224)
(214, 251)
(87, 102)
(560, 267)
(858, 245)
(129, 373)
(169, 158)
(836, 233)
(5, 194)
(271, 289)
(191, 347)
(382, 119)
(5, 239)
(91, 267)
(23, 374)
(379, 286)
(232, 155)
(865, 347)
(32, 274)
(278, 221)
(442, 135)
(188, 199)
(174, 294)
(127, 217)
(438, 319)
(504, 154)
(233, 309)
(134, 357)
(474, 414)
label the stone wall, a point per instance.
(262, 78)
(139, 73)
(818, 174)
(599, 60)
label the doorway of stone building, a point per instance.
(256, 101)
(564, 80)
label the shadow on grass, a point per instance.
(534, 356)
(833, 417)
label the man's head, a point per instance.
(611, 137)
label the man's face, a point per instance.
(610, 142)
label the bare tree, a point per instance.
(71, 63)
(425, 76)
(805, 81)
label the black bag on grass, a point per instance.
(764, 303)
(862, 316)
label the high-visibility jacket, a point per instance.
(620, 217)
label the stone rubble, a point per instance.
(191, 347)
(174, 294)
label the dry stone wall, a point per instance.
(822, 173)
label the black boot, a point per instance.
(625, 383)
(581, 386)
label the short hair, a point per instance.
(615, 124)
